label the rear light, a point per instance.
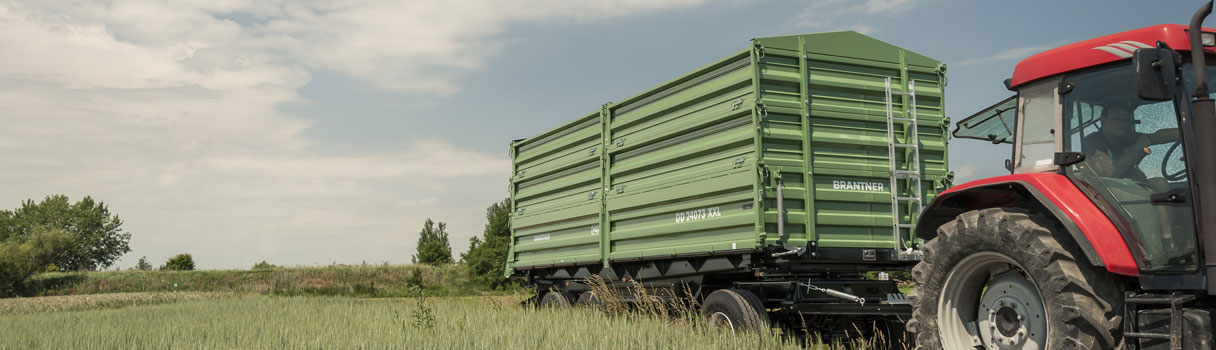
(1207, 39)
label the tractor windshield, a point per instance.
(1134, 163)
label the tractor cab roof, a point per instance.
(1100, 50)
(998, 122)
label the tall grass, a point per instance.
(347, 323)
(194, 321)
(627, 318)
(337, 280)
(633, 301)
(16, 306)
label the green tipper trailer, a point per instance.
(783, 172)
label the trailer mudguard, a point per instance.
(1050, 193)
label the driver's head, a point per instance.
(1117, 120)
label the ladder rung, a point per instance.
(904, 145)
(908, 199)
(907, 225)
(897, 93)
(903, 119)
(908, 173)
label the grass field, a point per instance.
(19, 306)
(261, 322)
(336, 307)
(336, 280)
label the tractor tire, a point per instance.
(735, 309)
(1051, 298)
(555, 299)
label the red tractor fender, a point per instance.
(1048, 193)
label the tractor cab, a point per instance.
(1103, 235)
(1087, 119)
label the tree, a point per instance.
(180, 262)
(433, 246)
(97, 236)
(143, 264)
(487, 256)
(22, 257)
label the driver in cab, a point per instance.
(1115, 154)
(1117, 149)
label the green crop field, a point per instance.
(199, 321)
(334, 280)
(338, 307)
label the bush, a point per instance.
(22, 257)
(264, 266)
(414, 279)
(181, 262)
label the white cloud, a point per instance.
(829, 14)
(408, 46)
(964, 173)
(1011, 54)
(862, 28)
(168, 112)
(884, 6)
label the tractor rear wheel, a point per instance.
(1003, 278)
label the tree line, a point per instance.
(59, 235)
(486, 256)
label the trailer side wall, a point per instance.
(695, 166)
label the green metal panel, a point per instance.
(692, 166)
(556, 196)
(832, 86)
(681, 165)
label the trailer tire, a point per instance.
(555, 299)
(589, 299)
(991, 249)
(735, 309)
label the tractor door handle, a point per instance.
(1168, 197)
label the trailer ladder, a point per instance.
(912, 171)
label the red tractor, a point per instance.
(1104, 234)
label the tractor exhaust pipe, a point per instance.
(1197, 58)
(1203, 172)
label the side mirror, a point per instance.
(1156, 74)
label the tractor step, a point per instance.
(1167, 326)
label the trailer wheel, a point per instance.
(589, 299)
(1047, 298)
(735, 309)
(555, 299)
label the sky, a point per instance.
(320, 132)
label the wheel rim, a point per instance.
(988, 301)
(719, 319)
